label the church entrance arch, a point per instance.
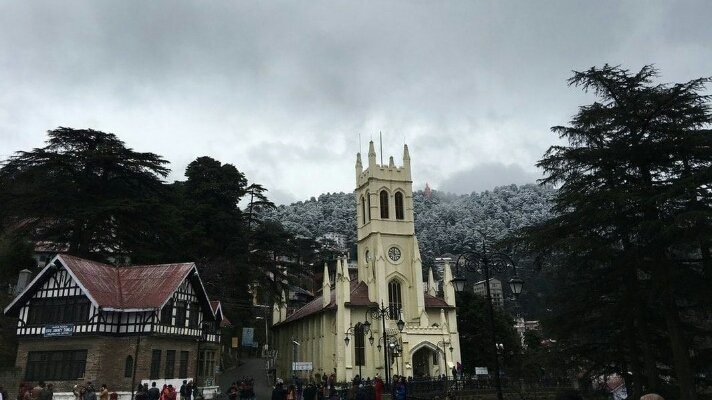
(425, 361)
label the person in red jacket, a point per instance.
(378, 387)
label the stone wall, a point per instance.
(106, 358)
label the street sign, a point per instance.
(247, 336)
(481, 371)
(58, 330)
(234, 342)
(302, 366)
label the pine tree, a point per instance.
(633, 223)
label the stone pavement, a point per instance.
(250, 367)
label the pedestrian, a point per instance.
(183, 389)
(278, 392)
(153, 392)
(652, 396)
(79, 390)
(401, 390)
(164, 392)
(47, 393)
(351, 395)
(104, 392)
(291, 392)
(37, 390)
(232, 392)
(141, 392)
(310, 391)
(90, 393)
(189, 390)
(378, 387)
(172, 394)
(361, 393)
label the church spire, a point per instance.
(326, 287)
(359, 166)
(371, 155)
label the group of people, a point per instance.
(243, 390)
(86, 391)
(187, 391)
(323, 387)
(27, 392)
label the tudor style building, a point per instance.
(389, 275)
(83, 320)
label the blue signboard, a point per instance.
(248, 335)
(58, 330)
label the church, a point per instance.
(384, 320)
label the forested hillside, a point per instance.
(443, 221)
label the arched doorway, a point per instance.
(424, 360)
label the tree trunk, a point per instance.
(680, 349)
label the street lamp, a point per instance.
(445, 343)
(474, 261)
(361, 329)
(382, 313)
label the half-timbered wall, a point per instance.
(62, 301)
(182, 314)
(59, 290)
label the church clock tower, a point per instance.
(388, 254)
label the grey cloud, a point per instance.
(486, 176)
(279, 87)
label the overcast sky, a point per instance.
(282, 90)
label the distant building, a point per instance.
(427, 191)
(81, 320)
(495, 291)
(522, 326)
(337, 240)
(440, 262)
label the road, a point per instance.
(250, 367)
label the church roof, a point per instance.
(435, 302)
(359, 297)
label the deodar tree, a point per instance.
(85, 191)
(633, 228)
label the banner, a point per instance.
(248, 335)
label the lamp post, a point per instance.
(474, 261)
(445, 343)
(361, 330)
(382, 313)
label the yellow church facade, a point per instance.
(327, 334)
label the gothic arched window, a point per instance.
(363, 210)
(368, 205)
(384, 204)
(394, 299)
(359, 345)
(399, 205)
(128, 367)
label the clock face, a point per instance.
(394, 253)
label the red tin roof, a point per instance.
(435, 302)
(138, 287)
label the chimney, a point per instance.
(22, 280)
